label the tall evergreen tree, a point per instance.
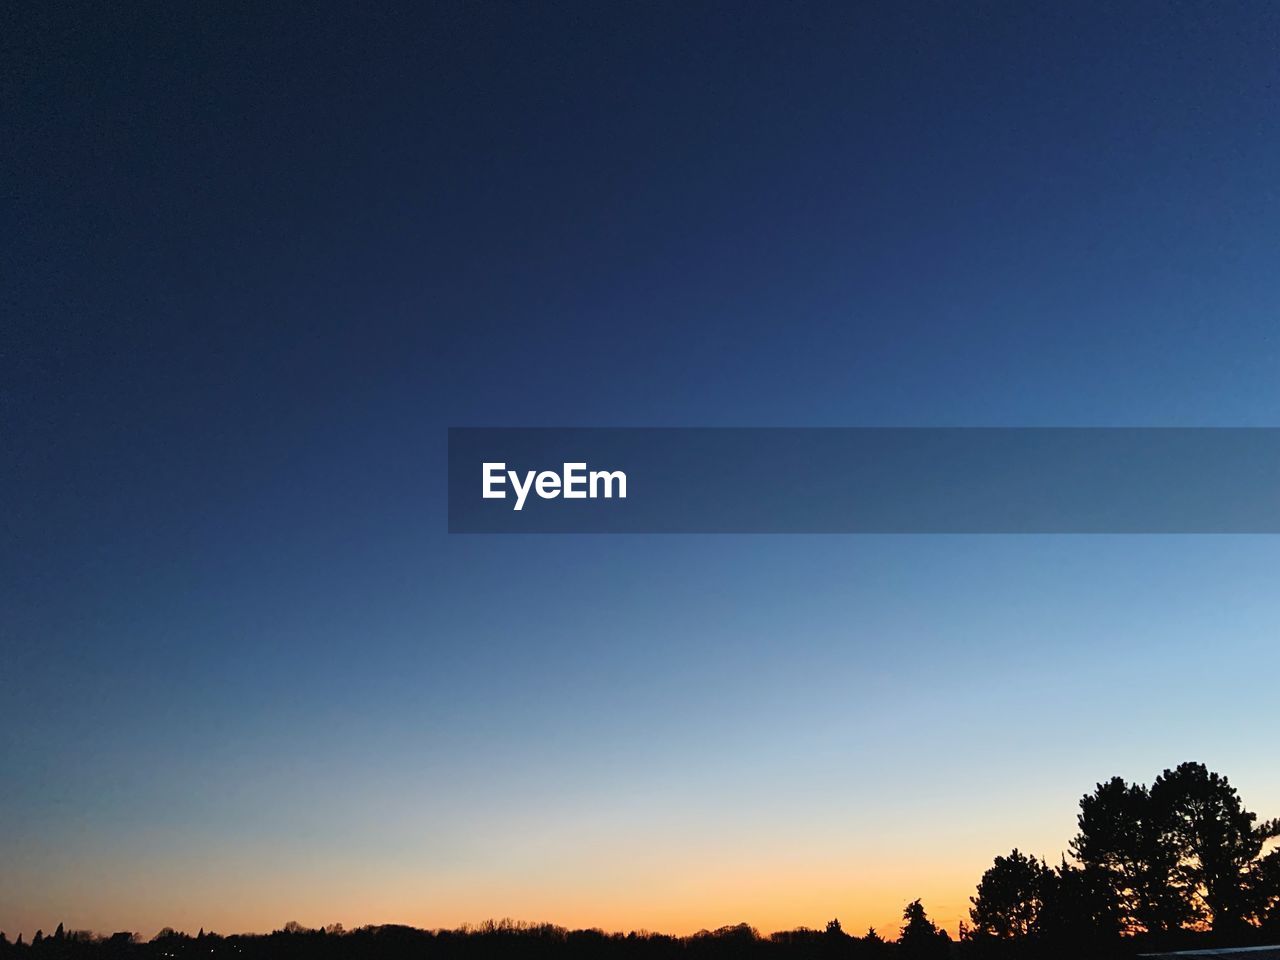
(920, 937)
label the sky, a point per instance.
(256, 262)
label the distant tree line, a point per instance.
(918, 939)
(1180, 864)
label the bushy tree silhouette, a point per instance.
(1216, 840)
(1122, 839)
(1184, 853)
(1010, 898)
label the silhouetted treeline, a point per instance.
(1181, 864)
(511, 940)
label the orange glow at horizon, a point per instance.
(622, 898)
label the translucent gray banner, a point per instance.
(864, 480)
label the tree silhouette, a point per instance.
(1010, 898)
(920, 938)
(1078, 908)
(1264, 891)
(1216, 840)
(1123, 840)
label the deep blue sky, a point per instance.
(256, 262)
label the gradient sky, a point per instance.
(257, 261)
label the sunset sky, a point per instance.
(258, 262)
